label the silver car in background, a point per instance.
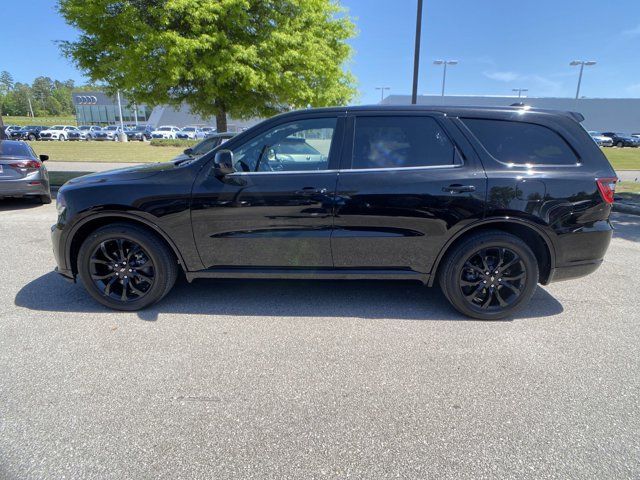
(22, 172)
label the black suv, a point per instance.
(487, 202)
(622, 139)
(31, 133)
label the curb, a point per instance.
(624, 208)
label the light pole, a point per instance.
(121, 136)
(444, 71)
(582, 63)
(382, 89)
(416, 55)
(519, 90)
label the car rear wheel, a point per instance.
(31, 137)
(45, 199)
(489, 275)
(126, 267)
(619, 144)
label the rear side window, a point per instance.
(521, 143)
(396, 142)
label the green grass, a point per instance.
(109, 152)
(65, 120)
(623, 158)
(178, 142)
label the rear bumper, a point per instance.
(581, 253)
(24, 187)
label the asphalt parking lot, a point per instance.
(255, 379)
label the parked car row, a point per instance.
(110, 133)
(615, 139)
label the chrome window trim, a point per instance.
(285, 172)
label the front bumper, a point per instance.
(57, 241)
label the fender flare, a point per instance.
(487, 222)
(124, 216)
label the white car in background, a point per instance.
(600, 139)
(190, 133)
(57, 132)
(165, 131)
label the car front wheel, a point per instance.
(62, 138)
(126, 267)
(489, 275)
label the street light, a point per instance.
(582, 63)
(519, 90)
(382, 89)
(444, 70)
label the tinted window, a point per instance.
(14, 149)
(273, 151)
(521, 143)
(394, 142)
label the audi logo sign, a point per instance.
(86, 100)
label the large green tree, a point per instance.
(240, 57)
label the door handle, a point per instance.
(306, 191)
(457, 188)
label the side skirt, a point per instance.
(309, 274)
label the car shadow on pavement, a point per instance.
(277, 298)
(7, 204)
(626, 226)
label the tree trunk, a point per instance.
(221, 121)
(3, 135)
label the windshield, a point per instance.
(30, 127)
(14, 149)
(57, 127)
(164, 129)
(188, 129)
(204, 146)
(113, 127)
(84, 127)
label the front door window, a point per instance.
(299, 146)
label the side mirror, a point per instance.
(44, 158)
(188, 151)
(223, 163)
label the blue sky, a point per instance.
(500, 44)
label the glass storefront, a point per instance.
(99, 109)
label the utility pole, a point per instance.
(30, 107)
(416, 55)
(382, 89)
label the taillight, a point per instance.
(607, 187)
(27, 164)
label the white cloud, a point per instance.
(538, 85)
(632, 33)
(634, 89)
(502, 76)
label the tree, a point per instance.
(245, 58)
(6, 82)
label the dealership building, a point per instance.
(603, 114)
(98, 108)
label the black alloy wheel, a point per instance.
(126, 266)
(493, 278)
(122, 270)
(489, 275)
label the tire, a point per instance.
(45, 199)
(619, 144)
(471, 291)
(62, 138)
(153, 251)
(31, 137)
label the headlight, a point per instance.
(61, 203)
